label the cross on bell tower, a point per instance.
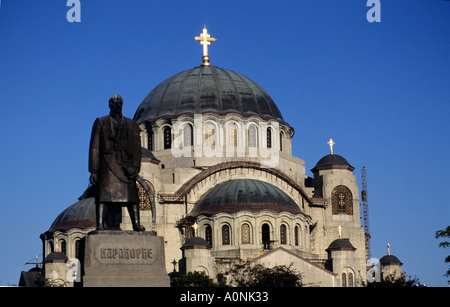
(339, 229)
(205, 40)
(195, 226)
(331, 143)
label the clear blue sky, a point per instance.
(380, 90)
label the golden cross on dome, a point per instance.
(331, 143)
(205, 40)
(340, 231)
(195, 226)
(389, 249)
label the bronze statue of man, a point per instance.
(114, 163)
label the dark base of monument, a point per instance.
(124, 259)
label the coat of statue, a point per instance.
(114, 163)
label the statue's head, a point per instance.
(115, 104)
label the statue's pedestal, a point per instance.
(124, 259)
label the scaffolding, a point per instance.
(364, 211)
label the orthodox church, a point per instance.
(221, 185)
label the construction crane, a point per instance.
(37, 263)
(364, 211)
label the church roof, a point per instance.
(244, 195)
(79, 215)
(56, 257)
(196, 242)
(207, 89)
(390, 259)
(341, 244)
(332, 161)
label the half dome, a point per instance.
(79, 215)
(244, 195)
(207, 89)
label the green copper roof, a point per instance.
(245, 195)
(79, 215)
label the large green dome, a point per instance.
(244, 195)
(79, 215)
(207, 89)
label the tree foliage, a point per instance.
(243, 275)
(392, 281)
(444, 233)
(193, 279)
(247, 275)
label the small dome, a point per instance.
(332, 161)
(390, 259)
(244, 195)
(196, 242)
(341, 244)
(79, 215)
(56, 257)
(207, 89)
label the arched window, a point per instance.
(350, 279)
(150, 139)
(265, 234)
(78, 249)
(252, 136)
(167, 137)
(210, 135)
(226, 235)
(281, 140)
(347, 277)
(245, 234)
(296, 230)
(63, 247)
(188, 135)
(283, 234)
(269, 137)
(342, 200)
(208, 234)
(232, 134)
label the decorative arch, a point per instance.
(342, 200)
(145, 203)
(280, 179)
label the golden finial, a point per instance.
(331, 143)
(205, 40)
(339, 229)
(195, 226)
(389, 249)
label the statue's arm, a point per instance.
(94, 151)
(137, 150)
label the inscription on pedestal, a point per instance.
(124, 255)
